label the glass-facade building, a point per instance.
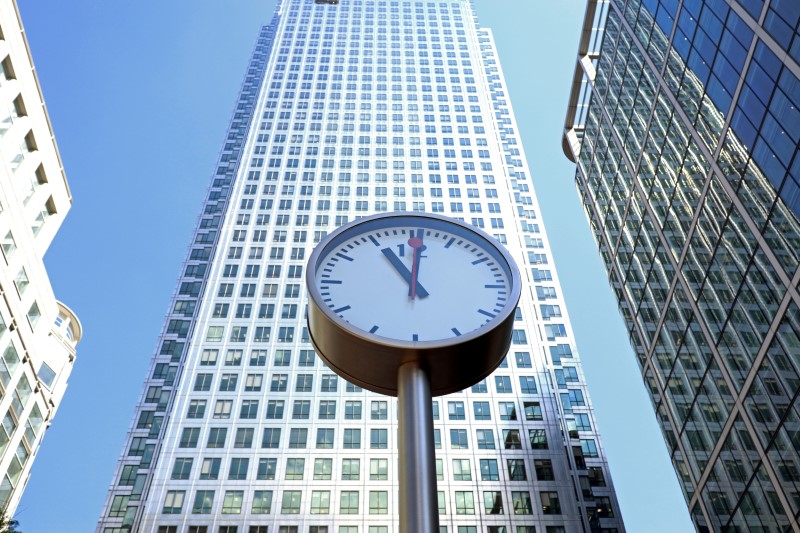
(684, 125)
(351, 108)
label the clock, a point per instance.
(392, 288)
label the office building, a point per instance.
(684, 126)
(38, 334)
(351, 108)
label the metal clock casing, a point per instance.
(378, 269)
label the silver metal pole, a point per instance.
(419, 508)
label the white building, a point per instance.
(38, 333)
(350, 108)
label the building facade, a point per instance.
(684, 125)
(38, 334)
(351, 108)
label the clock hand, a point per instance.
(419, 247)
(403, 271)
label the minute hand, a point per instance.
(419, 247)
(403, 271)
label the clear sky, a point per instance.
(140, 94)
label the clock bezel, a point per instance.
(344, 346)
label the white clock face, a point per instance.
(412, 278)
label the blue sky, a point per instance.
(140, 94)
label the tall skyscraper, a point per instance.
(684, 125)
(38, 334)
(351, 108)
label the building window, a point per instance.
(458, 439)
(480, 387)
(351, 469)
(197, 409)
(485, 438)
(228, 381)
(538, 438)
(489, 470)
(301, 410)
(378, 502)
(493, 502)
(266, 469)
(461, 470)
(465, 502)
(455, 410)
(249, 410)
(329, 383)
(378, 439)
(544, 469)
(481, 410)
(521, 501)
(511, 439)
(378, 410)
(283, 358)
(348, 503)
(327, 410)
(516, 470)
(253, 382)
(34, 314)
(203, 502)
(550, 503)
(238, 470)
(323, 468)
(279, 383)
(523, 359)
(262, 502)
(202, 382)
(306, 358)
(209, 469)
(209, 357)
(258, 358)
(298, 437)
(305, 383)
(503, 384)
(533, 410)
(272, 437)
(352, 439)
(596, 477)
(320, 502)
(294, 468)
(173, 502)
(216, 437)
(290, 503)
(324, 438)
(378, 469)
(222, 409)
(232, 503)
(508, 410)
(352, 410)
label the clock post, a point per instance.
(381, 324)
(419, 506)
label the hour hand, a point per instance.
(403, 271)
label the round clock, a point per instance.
(394, 288)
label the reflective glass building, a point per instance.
(684, 125)
(350, 108)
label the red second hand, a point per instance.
(416, 244)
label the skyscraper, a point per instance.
(351, 108)
(684, 125)
(38, 334)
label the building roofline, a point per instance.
(577, 79)
(41, 99)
